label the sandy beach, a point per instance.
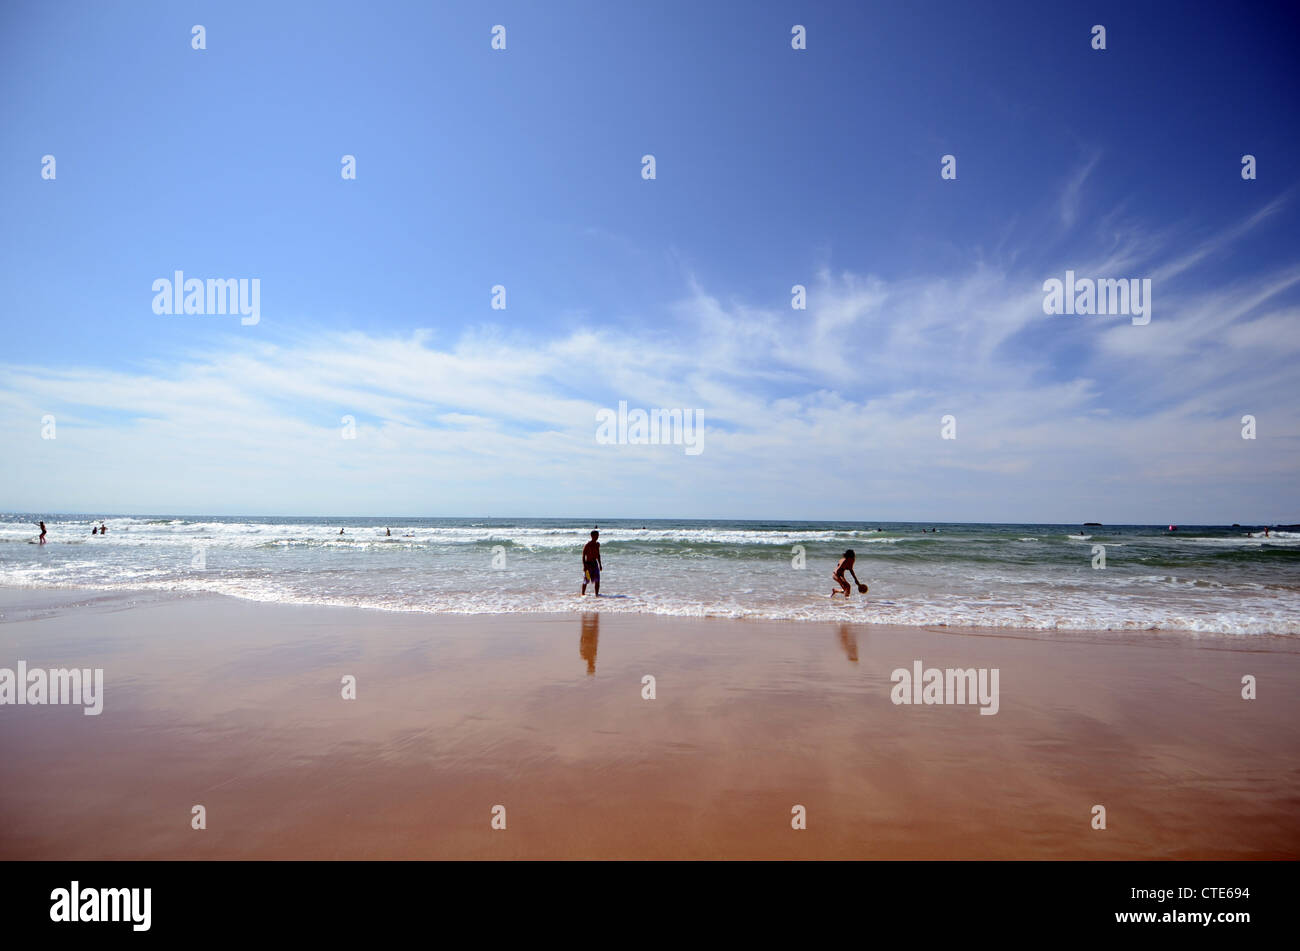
(238, 706)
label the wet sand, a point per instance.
(237, 706)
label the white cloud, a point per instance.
(1073, 192)
(833, 412)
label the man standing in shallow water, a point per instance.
(591, 563)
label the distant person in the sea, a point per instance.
(340, 531)
(1266, 531)
(42, 525)
(103, 529)
(846, 564)
(591, 565)
(388, 533)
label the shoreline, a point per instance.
(75, 595)
(1218, 581)
(236, 705)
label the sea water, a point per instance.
(1211, 579)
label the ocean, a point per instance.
(1199, 579)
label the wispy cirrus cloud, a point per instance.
(830, 412)
(1072, 194)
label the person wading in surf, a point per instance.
(846, 564)
(591, 565)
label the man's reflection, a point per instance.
(587, 645)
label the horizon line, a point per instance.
(633, 518)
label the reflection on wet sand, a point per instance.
(237, 705)
(849, 641)
(587, 644)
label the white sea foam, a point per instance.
(976, 576)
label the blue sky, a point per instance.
(522, 167)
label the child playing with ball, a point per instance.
(846, 564)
